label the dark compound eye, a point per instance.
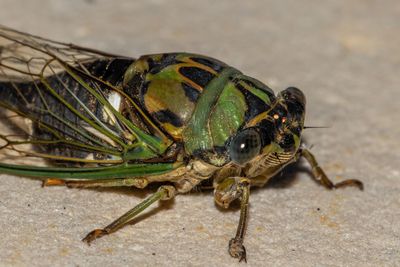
(287, 141)
(245, 146)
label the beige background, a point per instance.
(345, 56)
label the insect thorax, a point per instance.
(197, 100)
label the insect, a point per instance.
(179, 119)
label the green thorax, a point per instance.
(196, 100)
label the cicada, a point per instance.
(182, 120)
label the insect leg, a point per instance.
(320, 176)
(226, 191)
(138, 182)
(236, 248)
(164, 192)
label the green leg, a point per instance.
(137, 182)
(164, 192)
(320, 176)
(236, 248)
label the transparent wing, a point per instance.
(64, 102)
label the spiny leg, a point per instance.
(320, 176)
(164, 192)
(236, 248)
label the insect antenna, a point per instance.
(316, 127)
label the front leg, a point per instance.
(226, 192)
(320, 176)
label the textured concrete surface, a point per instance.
(344, 54)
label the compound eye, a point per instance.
(245, 146)
(287, 141)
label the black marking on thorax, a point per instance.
(215, 65)
(255, 105)
(191, 93)
(167, 116)
(197, 75)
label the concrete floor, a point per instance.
(345, 56)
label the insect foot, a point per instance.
(236, 249)
(97, 233)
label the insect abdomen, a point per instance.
(43, 102)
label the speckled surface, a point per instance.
(345, 56)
